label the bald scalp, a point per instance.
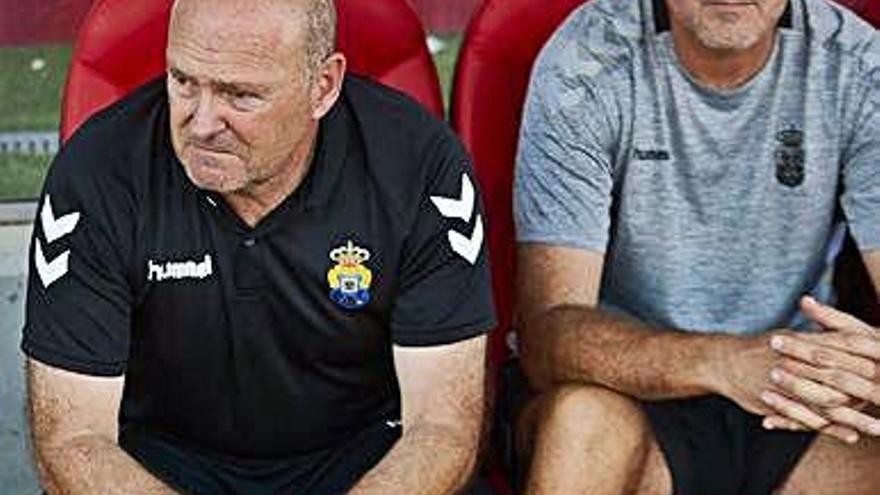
(314, 18)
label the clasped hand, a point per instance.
(826, 381)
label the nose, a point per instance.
(206, 120)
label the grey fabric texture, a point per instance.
(716, 210)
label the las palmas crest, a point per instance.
(350, 280)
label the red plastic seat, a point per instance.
(495, 61)
(491, 78)
(121, 45)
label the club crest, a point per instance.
(790, 158)
(350, 280)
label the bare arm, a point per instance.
(442, 407)
(73, 420)
(565, 338)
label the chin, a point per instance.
(212, 175)
(728, 37)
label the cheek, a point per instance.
(683, 8)
(178, 113)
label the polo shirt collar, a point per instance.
(661, 16)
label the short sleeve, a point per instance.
(445, 293)
(861, 167)
(78, 295)
(564, 178)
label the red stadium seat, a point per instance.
(495, 61)
(121, 45)
(501, 42)
(491, 77)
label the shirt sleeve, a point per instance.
(78, 296)
(861, 166)
(564, 166)
(445, 292)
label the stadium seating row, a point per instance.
(121, 45)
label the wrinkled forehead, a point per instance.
(256, 41)
(258, 26)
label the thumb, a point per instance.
(832, 319)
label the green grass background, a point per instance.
(29, 101)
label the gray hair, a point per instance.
(320, 32)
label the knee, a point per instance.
(595, 414)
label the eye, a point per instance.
(183, 85)
(245, 100)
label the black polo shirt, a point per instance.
(257, 342)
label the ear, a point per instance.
(327, 84)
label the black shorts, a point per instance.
(714, 447)
(711, 445)
(327, 472)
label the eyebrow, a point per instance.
(225, 86)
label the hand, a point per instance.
(844, 358)
(743, 369)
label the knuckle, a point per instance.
(853, 341)
(822, 357)
(836, 377)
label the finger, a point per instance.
(842, 433)
(857, 420)
(775, 422)
(832, 318)
(803, 389)
(851, 352)
(852, 385)
(798, 417)
(794, 410)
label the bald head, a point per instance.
(306, 27)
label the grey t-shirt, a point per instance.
(716, 210)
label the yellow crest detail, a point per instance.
(350, 280)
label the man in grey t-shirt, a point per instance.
(686, 172)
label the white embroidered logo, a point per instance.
(463, 208)
(54, 229)
(178, 270)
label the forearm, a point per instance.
(428, 459)
(588, 345)
(89, 464)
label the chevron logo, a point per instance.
(468, 247)
(54, 228)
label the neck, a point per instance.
(716, 68)
(256, 201)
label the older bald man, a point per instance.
(258, 275)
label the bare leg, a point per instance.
(585, 439)
(831, 467)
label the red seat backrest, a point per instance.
(495, 61)
(121, 45)
(491, 78)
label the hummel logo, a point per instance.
(463, 208)
(177, 270)
(651, 155)
(53, 229)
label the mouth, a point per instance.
(199, 148)
(730, 5)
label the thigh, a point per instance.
(654, 476)
(831, 467)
